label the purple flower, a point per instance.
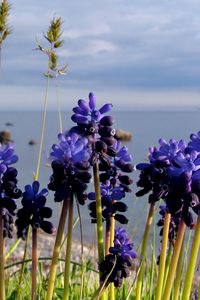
(167, 151)
(194, 144)
(9, 191)
(71, 149)
(7, 157)
(86, 111)
(120, 259)
(122, 245)
(70, 164)
(111, 205)
(33, 211)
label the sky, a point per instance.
(133, 53)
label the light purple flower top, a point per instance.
(86, 111)
(123, 245)
(7, 157)
(71, 148)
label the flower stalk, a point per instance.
(143, 250)
(68, 250)
(98, 213)
(192, 262)
(161, 270)
(2, 275)
(112, 235)
(56, 251)
(174, 261)
(34, 264)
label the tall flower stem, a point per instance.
(161, 270)
(178, 278)
(68, 250)
(100, 243)
(98, 213)
(112, 235)
(192, 262)
(143, 249)
(42, 130)
(34, 264)
(2, 276)
(174, 261)
(58, 105)
(56, 251)
(107, 237)
(23, 263)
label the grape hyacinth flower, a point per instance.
(9, 191)
(153, 175)
(33, 211)
(91, 121)
(120, 259)
(70, 167)
(111, 204)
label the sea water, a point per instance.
(146, 128)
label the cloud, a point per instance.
(112, 44)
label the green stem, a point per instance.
(34, 264)
(12, 249)
(82, 262)
(107, 237)
(23, 262)
(100, 243)
(56, 250)
(43, 130)
(98, 213)
(2, 275)
(192, 262)
(68, 250)
(174, 261)
(177, 283)
(58, 106)
(143, 250)
(168, 259)
(112, 236)
(161, 270)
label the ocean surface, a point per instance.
(146, 128)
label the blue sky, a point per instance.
(134, 53)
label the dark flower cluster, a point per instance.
(9, 191)
(120, 259)
(173, 174)
(70, 164)
(112, 158)
(114, 184)
(174, 222)
(34, 212)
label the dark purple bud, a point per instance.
(107, 121)
(108, 140)
(128, 168)
(84, 176)
(121, 219)
(111, 152)
(188, 219)
(81, 197)
(100, 146)
(119, 206)
(47, 227)
(46, 212)
(106, 131)
(125, 179)
(104, 177)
